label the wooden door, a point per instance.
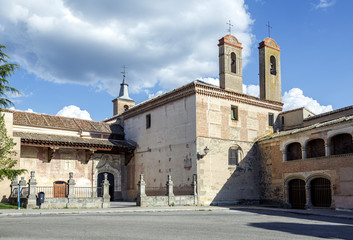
(60, 189)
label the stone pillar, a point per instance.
(303, 152)
(14, 187)
(194, 188)
(170, 192)
(32, 199)
(141, 194)
(308, 203)
(327, 149)
(71, 185)
(23, 184)
(286, 196)
(106, 196)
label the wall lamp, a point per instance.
(200, 156)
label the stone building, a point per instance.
(239, 148)
(309, 163)
(205, 131)
(53, 146)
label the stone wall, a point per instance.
(166, 148)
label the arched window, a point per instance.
(233, 65)
(273, 65)
(315, 148)
(294, 151)
(341, 144)
(235, 155)
(126, 107)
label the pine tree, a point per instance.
(6, 143)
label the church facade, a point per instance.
(238, 148)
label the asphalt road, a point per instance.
(232, 224)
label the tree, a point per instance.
(6, 143)
(6, 70)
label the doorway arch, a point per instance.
(297, 196)
(321, 192)
(100, 179)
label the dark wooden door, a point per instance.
(297, 196)
(60, 189)
(321, 192)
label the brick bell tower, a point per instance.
(270, 70)
(230, 64)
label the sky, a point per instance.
(71, 53)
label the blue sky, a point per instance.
(71, 52)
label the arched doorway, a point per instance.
(100, 179)
(297, 197)
(321, 192)
(60, 189)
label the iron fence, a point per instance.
(48, 191)
(88, 192)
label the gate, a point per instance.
(60, 189)
(111, 184)
(321, 192)
(297, 196)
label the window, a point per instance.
(273, 65)
(270, 119)
(126, 107)
(282, 120)
(233, 65)
(234, 155)
(234, 113)
(148, 121)
(294, 151)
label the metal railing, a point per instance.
(88, 192)
(156, 191)
(48, 191)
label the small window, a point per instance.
(148, 121)
(282, 120)
(270, 119)
(234, 113)
(233, 65)
(126, 107)
(234, 155)
(273, 65)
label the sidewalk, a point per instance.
(129, 207)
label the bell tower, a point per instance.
(230, 64)
(123, 102)
(270, 70)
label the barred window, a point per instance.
(234, 155)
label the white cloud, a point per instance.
(164, 43)
(252, 90)
(151, 95)
(30, 110)
(74, 112)
(295, 98)
(323, 4)
(213, 81)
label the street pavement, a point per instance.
(204, 223)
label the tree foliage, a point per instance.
(7, 153)
(6, 70)
(6, 143)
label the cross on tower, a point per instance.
(269, 28)
(230, 27)
(124, 73)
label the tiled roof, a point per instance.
(45, 120)
(71, 141)
(303, 129)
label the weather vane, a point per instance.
(269, 28)
(229, 27)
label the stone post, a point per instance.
(327, 150)
(14, 187)
(170, 192)
(23, 184)
(141, 194)
(71, 185)
(106, 196)
(194, 188)
(308, 203)
(32, 199)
